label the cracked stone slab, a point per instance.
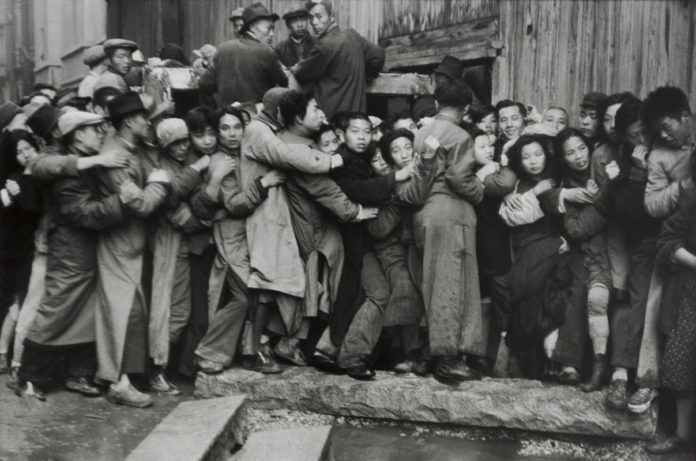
(301, 444)
(507, 403)
(202, 430)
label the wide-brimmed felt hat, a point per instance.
(255, 12)
(450, 67)
(71, 121)
(44, 119)
(296, 13)
(124, 105)
(8, 110)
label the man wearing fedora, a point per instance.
(62, 332)
(339, 64)
(298, 45)
(245, 68)
(121, 308)
(95, 59)
(119, 60)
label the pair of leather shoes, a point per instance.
(453, 370)
(82, 386)
(361, 372)
(208, 366)
(600, 372)
(262, 362)
(290, 353)
(617, 397)
(128, 395)
(324, 362)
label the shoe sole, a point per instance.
(639, 409)
(289, 360)
(117, 401)
(81, 392)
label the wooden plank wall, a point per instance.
(557, 50)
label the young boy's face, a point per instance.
(407, 124)
(483, 149)
(204, 142)
(674, 132)
(178, 149)
(358, 135)
(588, 122)
(328, 142)
(556, 119)
(609, 127)
(379, 166)
(487, 124)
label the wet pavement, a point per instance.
(69, 427)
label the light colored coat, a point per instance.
(274, 256)
(120, 257)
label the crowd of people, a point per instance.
(280, 223)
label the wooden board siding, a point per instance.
(555, 50)
(552, 51)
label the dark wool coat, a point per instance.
(244, 70)
(362, 185)
(339, 65)
(290, 52)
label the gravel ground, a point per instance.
(533, 445)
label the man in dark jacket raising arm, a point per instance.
(339, 64)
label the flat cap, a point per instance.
(206, 51)
(171, 130)
(72, 120)
(114, 43)
(8, 110)
(94, 55)
(237, 14)
(297, 13)
(111, 80)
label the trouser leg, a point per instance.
(135, 347)
(363, 332)
(628, 321)
(201, 266)
(572, 334)
(40, 364)
(30, 305)
(181, 298)
(81, 361)
(220, 341)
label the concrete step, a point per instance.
(301, 444)
(507, 403)
(204, 430)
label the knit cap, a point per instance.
(171, 130)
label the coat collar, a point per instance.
(266, 119)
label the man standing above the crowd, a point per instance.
(247, 67)
(121, 309)
(339, 64)
(95, 58)
(119, 59)
(300, 42)
(237, 21)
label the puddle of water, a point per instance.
(395, 444)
